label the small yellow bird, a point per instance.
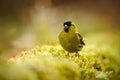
(70, 39)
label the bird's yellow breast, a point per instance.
(69, 41)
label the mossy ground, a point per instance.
(98, 60)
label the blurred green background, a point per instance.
(27, 23)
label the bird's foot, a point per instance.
(77, 54)
(67, 54)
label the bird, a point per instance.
(70, 38)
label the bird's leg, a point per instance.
(77, 54)
(67, 54)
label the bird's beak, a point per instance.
(66, 28)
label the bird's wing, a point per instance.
(80, 38)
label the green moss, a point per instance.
(98, 60)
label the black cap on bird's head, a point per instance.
(67, 25)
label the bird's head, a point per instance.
(69, 26)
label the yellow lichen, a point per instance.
(98, 60)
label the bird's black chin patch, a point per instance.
(66, 30)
